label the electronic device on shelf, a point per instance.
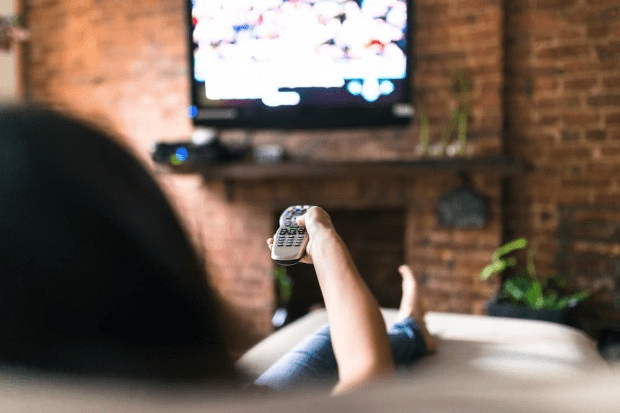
(290, 240)
(299, 64)
(189, 153)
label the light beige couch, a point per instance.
(469, 345)
(482, 364)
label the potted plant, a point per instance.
(460, 116)
(459, 119)
(524, 295)
(284, 290)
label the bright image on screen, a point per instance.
(282, 52)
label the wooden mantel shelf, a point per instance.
(499, 165)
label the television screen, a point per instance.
(299, 63)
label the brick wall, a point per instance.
(562, 107)
(123, 64)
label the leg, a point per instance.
(409, 338)
(312, 362)
(411, 306)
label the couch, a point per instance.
(482, 364)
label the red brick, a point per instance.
(565, 102)
(541, 21)
(589, 66)
(602, 2)
(603, 170)
(571, 34)
(614, 134)
(562, 154)
(482, 51)
(596, 135)
(587, 184)
(613, 119)
(580, 84)
(547, 120)
(485, 35)
(597, 31)
(580, 118)
(570, 136)
(545, 84)
(612, 82)
(611, 151)
(564, 52)
(607, 199)
(609, 52)
(554, 4)
(609, 99)
(586, 14)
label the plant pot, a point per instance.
(500, 307)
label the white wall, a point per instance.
(8, 62)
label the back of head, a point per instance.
(97, 276)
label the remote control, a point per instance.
(290, 240)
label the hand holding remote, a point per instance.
(289, 243)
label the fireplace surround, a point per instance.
(446, 260)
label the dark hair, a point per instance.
(97, 275)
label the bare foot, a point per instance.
(411, 305)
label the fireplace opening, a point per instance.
(376, 241)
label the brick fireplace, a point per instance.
(386, 220)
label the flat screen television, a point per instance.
(299, 64)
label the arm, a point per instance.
(358, 332)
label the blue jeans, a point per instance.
(312, 362)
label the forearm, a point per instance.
(358, 332)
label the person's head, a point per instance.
(97, 276)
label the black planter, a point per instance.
(498, 307)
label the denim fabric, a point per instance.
(312, 362)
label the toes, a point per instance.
(405, 271)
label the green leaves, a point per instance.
(550, 300)
(524, 288)
(572, 300)
(534, 296)
(516, 288)
(497, 266)
(517, 244)
(284, 283)
(497, 263)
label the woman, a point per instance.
(99, 279)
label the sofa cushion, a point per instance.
(466, 344)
